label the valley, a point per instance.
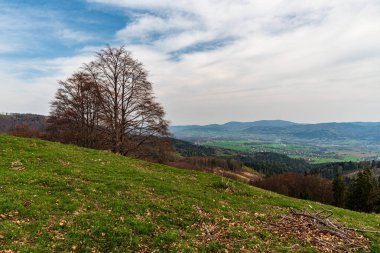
(316, 143)
(310, 153)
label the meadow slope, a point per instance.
(62, 198)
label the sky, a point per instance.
(210, 61)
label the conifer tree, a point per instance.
(339, 189)
(364, 192)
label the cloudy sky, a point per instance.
(211, 61)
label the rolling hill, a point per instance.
(230, 129)
(62, 198)
(8, 122)
(284, 131)
(316, 143)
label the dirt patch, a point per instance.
(17, 165)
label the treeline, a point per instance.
(302, 186)
(270, 163)
(188, 149)
(331, 170)
(362, 193)
(11, 121)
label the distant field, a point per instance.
(317, 160)
(313, 154)
(234, 145)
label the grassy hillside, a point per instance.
(59, 198)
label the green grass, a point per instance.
(64, 198)
(234, 145)
(252, 145)
(256, 146)
(312, 154)
(318, 160)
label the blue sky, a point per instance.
(210, 61)
(58, 28)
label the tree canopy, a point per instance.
(109, 103)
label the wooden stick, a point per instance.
(362, 230)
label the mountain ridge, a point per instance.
(284, 130)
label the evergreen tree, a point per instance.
(339, 189)
(364, 193)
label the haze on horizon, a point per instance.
(210, 61)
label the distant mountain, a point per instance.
(273, 123)
(367, 123)
(236, 126)
(232, 126)
(368, 132)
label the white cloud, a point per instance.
(33, 94)
(146, 24)
(28, 84)
(298, 60)
(72, 35)
(27, 28)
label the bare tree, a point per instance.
(129, 111)
(75, 111)
(112, 100)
